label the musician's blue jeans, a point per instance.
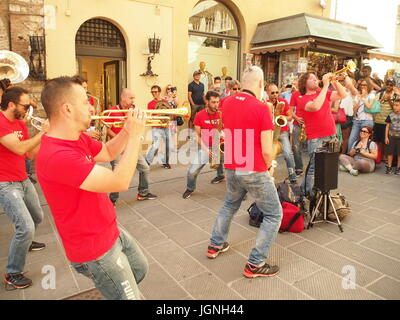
(117, 273)
(143, 169)
(262, 189)
(287, 154)
(298, 160)
(22, 207)
(159, 134)
(198, 163)
(312, 145)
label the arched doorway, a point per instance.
(101, 58)
(214, 41)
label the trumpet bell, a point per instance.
(13, 67)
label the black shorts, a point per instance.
(195, 109)
(379, 132)
(394, 146)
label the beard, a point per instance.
(18, 115)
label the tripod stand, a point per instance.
(325, 199)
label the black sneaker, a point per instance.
(17, 280)
(397, 171)
(166, 166)
(266, 270)
(217, 180)
(36, 246)
(388, 170)
(213, 252)
(148, 196)
(186, 194)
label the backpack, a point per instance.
(292, 220)
(341, 205)
(289, 192)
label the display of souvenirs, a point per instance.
(322, 63)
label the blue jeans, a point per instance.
(201, 159)
(159, 134)
(143, 169)
(308, 182)
(287, 154)
(298, 160)
(355, 131)
(117, 273)
(21, 205)
(262, 189)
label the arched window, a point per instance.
(214, 42)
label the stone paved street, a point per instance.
(174, 235)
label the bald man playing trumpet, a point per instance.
(76, 187)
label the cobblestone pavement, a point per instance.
(174, 234)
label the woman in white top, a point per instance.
(364, 99)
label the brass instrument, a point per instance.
(279, 121)
(221, 146)
(13, 67)
(36, 122)
(351, 66)
(303, 135)
(157, 118)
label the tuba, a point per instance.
(13, 67)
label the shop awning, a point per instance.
(374, 54)
(314, 30)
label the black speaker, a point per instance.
(326, 170)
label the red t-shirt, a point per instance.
(86, 221)
(207, 122)
(284, 112)
(294, 102)
(319, 123)
(12, 165)
(244, 117)
(221, 103)
(152, 105)
(116, 130)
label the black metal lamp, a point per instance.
(154, 48)
(37, 49)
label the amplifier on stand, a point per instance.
(326, 170)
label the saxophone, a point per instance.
(215, 163)
(303, 135)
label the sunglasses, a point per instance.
(364, 131)
(274, 92)
(26, 106)
(236, 89)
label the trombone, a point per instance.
(155, 117)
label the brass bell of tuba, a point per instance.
(13, 67)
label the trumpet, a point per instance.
(156, 117)
(351, 66)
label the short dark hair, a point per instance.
(156, 87)
(12, 94)
(217, 78)
(5, 83)
(210, 94)
(80, 79)
(228, 78)
(55, 91)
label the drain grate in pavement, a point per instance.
(92, 294)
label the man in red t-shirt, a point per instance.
(76, 189)
(17, 194)
(126, 101)
(297, 127)
(207, 124)
(248, 129)
(158, 133)
(315, 105)
(284, 110)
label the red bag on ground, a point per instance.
(293, 218)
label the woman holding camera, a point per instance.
(362, 154)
